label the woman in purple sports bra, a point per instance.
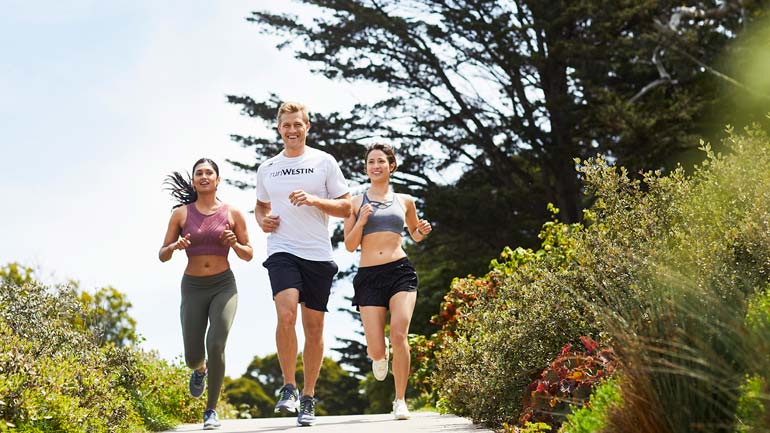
(206, 228)
(386, 280)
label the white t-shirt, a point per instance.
(303, 230)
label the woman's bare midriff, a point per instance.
(380, 248)
(203, 266)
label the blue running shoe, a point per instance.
(306, 411)
(288, 400)
(197, 383)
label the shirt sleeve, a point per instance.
(336, 185)
(262, 194)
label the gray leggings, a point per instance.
(211, 301)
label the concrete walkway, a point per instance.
(420, 422)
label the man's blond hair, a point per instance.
(292, 107)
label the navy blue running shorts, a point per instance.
(313, 279)
(374, 285)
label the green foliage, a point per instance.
(336, 391)
(536, 427)
(592, 417)
(14, 273)
(160, 394)
(423, 364)
(752, 411)
(61, 391)
(690, 345)
(267, 372)
(57, 376)
(54, 376)
(474, 217)
(106, 314)
(663, 270)
(499, 331)
(250, 399)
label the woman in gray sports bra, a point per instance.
(386, 280)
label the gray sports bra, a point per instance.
(387, 216)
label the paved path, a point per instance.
(421, 422)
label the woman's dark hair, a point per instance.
(387, 150)
(181, 188)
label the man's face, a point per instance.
(293, 129)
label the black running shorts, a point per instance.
(313, 279)
(375, 285)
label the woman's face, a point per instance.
(205, 178)
(377, 165)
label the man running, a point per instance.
(297, 191)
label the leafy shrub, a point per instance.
(537, 427)
(568, 381)
(751, 413)
(499, 331)
(691, 348)
(592, 417)
(56, 377)
(161, 396)
(61, 391)
(662, 270)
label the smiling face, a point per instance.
(205, 177)
(378, 168)
(293, 128)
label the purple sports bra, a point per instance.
(205, 231)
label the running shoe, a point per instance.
(210, 420)
(288, 398)
(400, 411)
(197, 383)
(380, 366)
(306, 411)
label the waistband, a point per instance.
(209, 280)
(385, 266)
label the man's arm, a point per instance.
(339, 207)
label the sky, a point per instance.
(99, 101)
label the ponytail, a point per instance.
(181, 189)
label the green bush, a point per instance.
(592, 417)
(751, 413)
(662, 270)
(499, 331)
(162, 397)
(691, 348)
(55, 376)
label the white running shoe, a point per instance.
(288, 400)
(380, 366)
(400, 411)
(210, 420)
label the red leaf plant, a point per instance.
(569, 380)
